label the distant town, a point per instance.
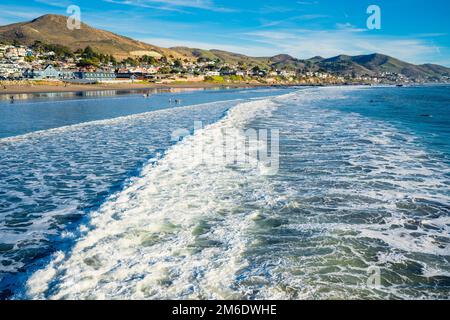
(51, 62)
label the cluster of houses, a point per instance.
(20, 62)
(12, 61)
(51, 73)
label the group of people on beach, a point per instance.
(177, 101)
(171, 101)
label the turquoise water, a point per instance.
(422, 110)
(114, 208)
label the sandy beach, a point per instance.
(23, 88)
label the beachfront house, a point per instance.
(66, 75)
(48, 73)
(99, 76)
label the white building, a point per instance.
(212, 73)
(9, 69)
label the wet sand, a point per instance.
(59, 87)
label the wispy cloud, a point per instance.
(307, 2)
(11, 14)
(55, 3)
(430, 35)
(146, 5)
(297, 18)
(309, 43)
(349, 27)
(174, 4)
(169, 42)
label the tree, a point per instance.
(112, 59)
(130, 61)
(242, 65)
(94, 62)
(225, 69)
(59, 50)
(163, 60)
(88, 53)
(256, 69)
(178, 64)
(203, 59)
(30, 58)
(164, 70)
(148, 60)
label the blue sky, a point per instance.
(417, 31)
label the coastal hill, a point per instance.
(52, 29)
(228, 57)
(377, 63)
(361, 65)
(281, 61)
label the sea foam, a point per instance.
(352, 193)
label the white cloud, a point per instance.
(10, 14)
(304, 17)
(146, 5)
(307, 2)
(309, 43)
(349, 27)
(167, 43)
(173, 4)
(55, 3)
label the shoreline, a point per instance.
(57, 88)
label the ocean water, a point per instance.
(36, 112)
(115, 209)
(80, 151)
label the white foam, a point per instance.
(109, 122)
(143, 237)
(182, 231)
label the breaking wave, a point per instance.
(351, 193)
